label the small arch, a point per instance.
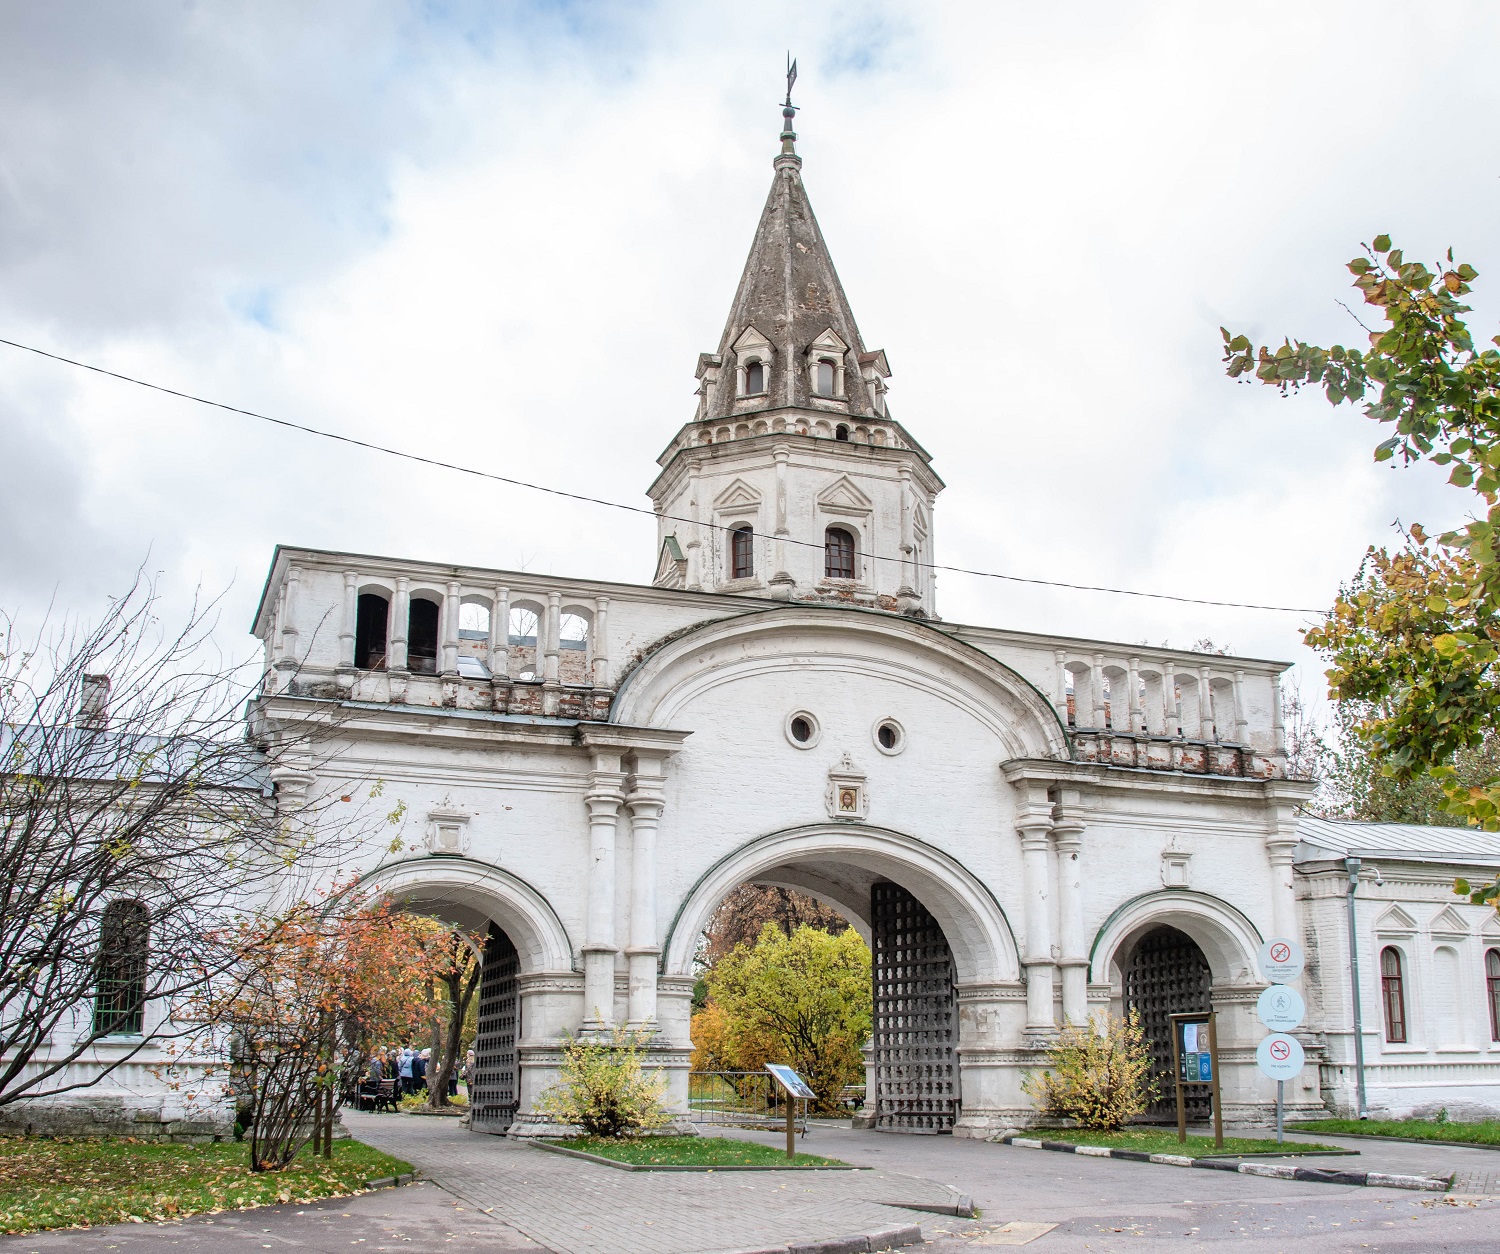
(1227, 938)
(825, 377)
(742, 552)
(721, 434)
(120, 984)
(760, 427)
(841, 432)
(372, 619)
(1393, 994)
(838, 553)
(1221, 702)
(468, 892)
(474, 619)
(742, 432)
(422, 635)
(573, 630)
(823, 430)
(755, 378)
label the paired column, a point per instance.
(400, 619)
(450, 630)
(604, 798)
(350, 619)
(599, 641)
(645, 801)
(1033, 823)
(1067, 836)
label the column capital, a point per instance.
(605, 795)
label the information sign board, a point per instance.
(1195, 1063)
(1281, 960)
(1281, 1008)
(1279, 1056)
(793, 1083)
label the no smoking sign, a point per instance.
(1279, 1056)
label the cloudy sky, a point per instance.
(501, 233)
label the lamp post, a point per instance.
(1352, 866)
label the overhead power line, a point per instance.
(637, 509)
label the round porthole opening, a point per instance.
(889, 736)
(802, 729)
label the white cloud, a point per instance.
(502, 235)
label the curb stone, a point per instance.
(862, 1243)
(623, 1166)
(1372, 1179)
(391, 1182)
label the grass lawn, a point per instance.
(692, 1151)
(1485, 1132)
(1164, 1141)
(74, 1183)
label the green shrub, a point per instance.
(603, 1089)
(1098, 1075)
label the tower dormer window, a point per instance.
(741, 553)
(838, 554)
(755, 378)
(825, 378)
(841, 432)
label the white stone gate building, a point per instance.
(1029, 829)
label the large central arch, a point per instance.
(838, 862)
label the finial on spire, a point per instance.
(789, 112)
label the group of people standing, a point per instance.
(409, 1066)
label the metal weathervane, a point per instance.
(791, 78)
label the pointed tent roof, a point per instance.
(789, 293)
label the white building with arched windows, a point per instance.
(1030, 830)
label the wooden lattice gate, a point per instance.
(916, 1018)
(1165, 975)
(496, 1071)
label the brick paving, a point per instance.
(576, 1207)
(1477, 1183)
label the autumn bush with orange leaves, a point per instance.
(322, 983)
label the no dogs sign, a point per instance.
(1281, 960)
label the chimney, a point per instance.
(93, 702)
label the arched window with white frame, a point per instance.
(838, 553)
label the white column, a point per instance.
(1067, 834)
(693, 549)
(1137, 715)
(1032, 824)
(1098, 681)
(1241, 722)
(778, 559)
(450, 630)
(1171, 715)
(599, 639)
(499, 659)
(289, 615)
(554, 619)
(908, 538)
(350, 618)
(1278, 727)
(599, 948)
(400, 622)
(1281, 843)
(646, 803)
(1061, 701)
(1206, 728)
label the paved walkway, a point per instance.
(418, 1217)
(577, 1207)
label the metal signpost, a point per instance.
(1281, 1009)
(1195, 1060)
(794, 1086)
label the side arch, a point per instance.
(1227, 938)
(821, 857)
(469, 892)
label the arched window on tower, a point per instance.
(838, 554)
(755, 378)
(1393, 995)
(827, 380)
(741, 553)
(120, 994)
(841, 432)
(372, 614)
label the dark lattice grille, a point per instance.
(916, 1021)
(496, 1074)
(1167, 975)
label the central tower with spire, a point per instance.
(793, 480)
